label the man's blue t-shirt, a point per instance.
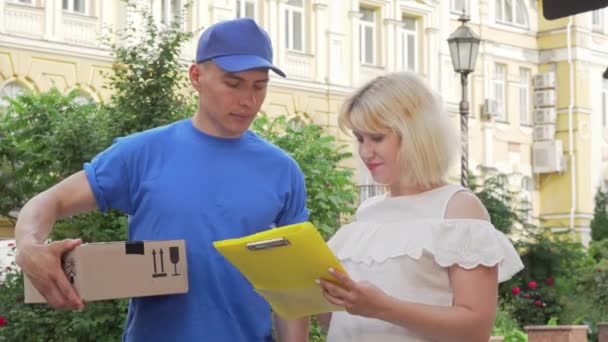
(176, 182)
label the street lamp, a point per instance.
(464, 45)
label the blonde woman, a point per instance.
(423, 260)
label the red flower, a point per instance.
(538, 303)
(526, 295)
(8, 268)
(532, 284)
(550, 281)
(2, 321)
(515, 290)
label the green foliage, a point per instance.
(44, 138)
(535, 303)
(506, 326)
(491, 189)
(599, 223)
(331, 192)
(598, 250)
(148, 81)
(102, 321)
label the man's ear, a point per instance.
(195, 76)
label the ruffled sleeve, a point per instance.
(463, 242)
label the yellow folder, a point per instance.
(282, 264)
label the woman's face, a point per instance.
(380, 153)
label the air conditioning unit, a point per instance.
(543, 132)
(544, 98)
(489, 109)
(545, 115)
(544, 80)
(547, 156)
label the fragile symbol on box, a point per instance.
(173, 257)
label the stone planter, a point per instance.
(602, 332)
(557, 333)
(496, 339)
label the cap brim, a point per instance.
(238, 63)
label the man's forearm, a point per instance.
(294, 330)
(35, 220)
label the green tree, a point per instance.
(43, 139)
(491, 189)
(148, 81)
(599, 223)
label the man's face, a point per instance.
(228, 102)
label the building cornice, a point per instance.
(47, 47)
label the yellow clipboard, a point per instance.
(282, 265)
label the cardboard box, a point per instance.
(122, 270)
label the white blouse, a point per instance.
(404, 246)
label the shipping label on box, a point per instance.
(113, 270)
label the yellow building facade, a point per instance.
(538, 98)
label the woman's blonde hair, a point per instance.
(404, 103)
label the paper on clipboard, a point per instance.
(282, 264)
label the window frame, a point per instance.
(71, 4)
(404, 38)
(599, 25)
(455, 10)
(525, 97)
(290, 34)
(604, 104)
(363, 25)
(516, 5)
(502, 83)
(240, 8)
(23, 89)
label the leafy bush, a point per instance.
(599, 223)
(330, 190)
(535, 303)
(506, 326)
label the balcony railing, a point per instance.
(80, 30)
(367, 191)
(24, 20)
(299, 65)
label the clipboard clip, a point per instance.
(266, 244)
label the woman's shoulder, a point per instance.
(465, 204)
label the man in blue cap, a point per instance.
(202, 179)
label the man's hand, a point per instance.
(42, 265)
(358, 298)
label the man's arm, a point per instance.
(42, 262)
(294, 330)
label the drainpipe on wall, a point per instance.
(570, 131)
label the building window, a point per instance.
(294, 25)
(511, 12)
(74, 6)
(82, 98)
(167, 11)
(11, 90)
(367, 36)
(407, 42)
(605, 103)
(597, 22)
(499, 90)
(245, 8)
(458, 6)
(171, 10)
(524, 96)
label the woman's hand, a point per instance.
(357, 298)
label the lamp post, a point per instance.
(464, 45)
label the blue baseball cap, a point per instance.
(236, 45)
